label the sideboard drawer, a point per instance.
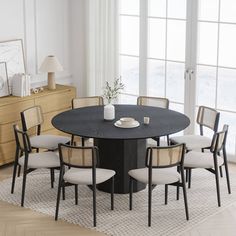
(6, 132)
(55, 102)
(11, 112)
(7, 152)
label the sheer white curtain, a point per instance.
(102, 43)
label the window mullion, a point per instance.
(143, 41)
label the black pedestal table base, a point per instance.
(121, 156)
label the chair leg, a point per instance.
(76, 194)
(14, 177)
(52, 177)
(19, 167)
(19, 170)
(158, 141)
(189, 177)
(177, 193)
(59, 194)
(72, 140)
(177, 188)
(217, 180)
(149, 204)
(166, 194)
(83, 142)
(226, 170)
(63, 191)
(112, 193)
(185, 194)
(94, 206)
(168, 140)
(23, 187)
(130, 193)
(221, 171)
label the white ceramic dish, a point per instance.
(126, 121)
(134, 124)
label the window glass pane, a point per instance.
(176, 40)
(156, 78)
(157, 38)
(127, 99)
(175, 81)
(208, 10)
(227, 11)
(206, 85)
(129, 35)
(177, 9)
(227, 46)
(157, 8)
(207, 49)
(229, 119)
(226, 89)
(130, 7)
(176, 107)
(130, 74)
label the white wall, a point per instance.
(77, 12)
(45, 29)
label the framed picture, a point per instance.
(12, 53)
(4, 85)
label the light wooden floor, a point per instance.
(17, 221)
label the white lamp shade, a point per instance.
(51, 64)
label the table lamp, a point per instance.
(51, 65)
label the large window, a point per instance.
(182, 50)
(216, 61)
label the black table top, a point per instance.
(89, 122)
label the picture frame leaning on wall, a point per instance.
(12, 53)
(4, 83)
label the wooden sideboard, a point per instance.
(52, 103)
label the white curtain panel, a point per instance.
(102, 43)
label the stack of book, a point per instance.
(21, 85)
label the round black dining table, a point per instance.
(120, 149)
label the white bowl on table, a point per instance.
(126, 121)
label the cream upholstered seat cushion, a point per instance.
(193, 141)
(159, 176)
(195, 159)
(83, 176)
(41, 160)
(48, 141)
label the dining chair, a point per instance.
(82, 163)
(155, 102)
(32, 119)
(211, 160)
(161, 163)
(85, 102)
(206, 118)
(31, 161)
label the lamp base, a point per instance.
(51, 81)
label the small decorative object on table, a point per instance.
(111, 93)
(146, 120)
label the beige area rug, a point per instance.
(166, 219)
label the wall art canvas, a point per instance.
(12, 53)
(4, 86)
